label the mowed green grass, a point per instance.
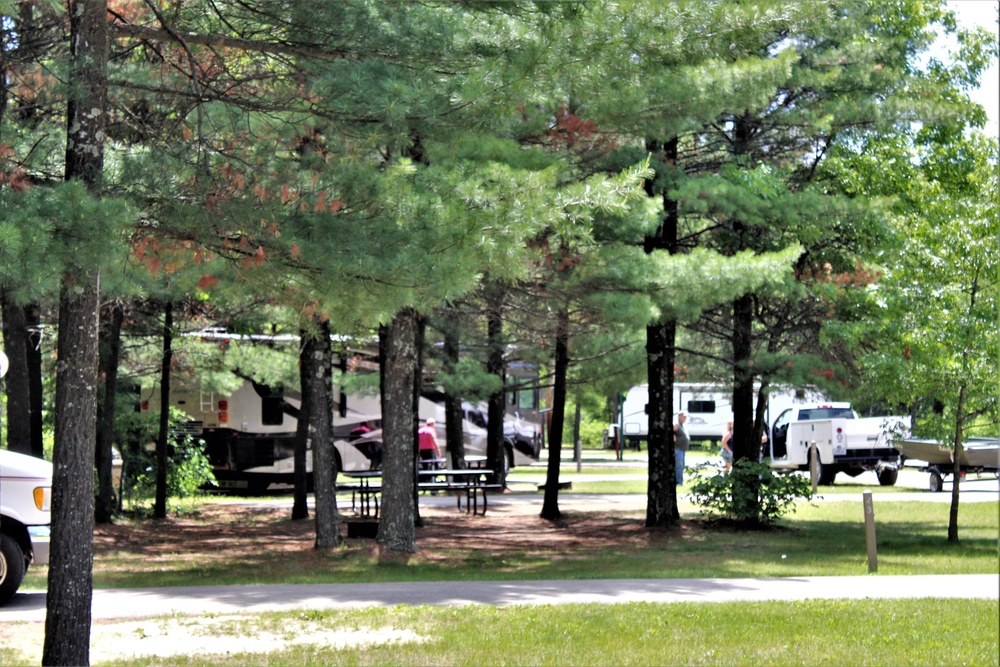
(817, 632)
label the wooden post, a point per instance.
(814, 466)
(870, 532)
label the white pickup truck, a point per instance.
(25, 514)
(844, 442)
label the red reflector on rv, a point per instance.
(223, 417)
(223, 405)
(840, 430)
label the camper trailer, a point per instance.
(709, 407)
(250, 433)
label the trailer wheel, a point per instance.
(11, 567)
(936, 481)
(888, 476)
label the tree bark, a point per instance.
(957, 469)
(300, 506)
(16, 382)
(110, 352)
(397, 532)
(661, 490)
(454, 436)
(495, 407)
(35, 388)
(163, 437)
(550, 505)
(320, 382)
(70, 585)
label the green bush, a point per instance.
(751, 493)
(188, 467)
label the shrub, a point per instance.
(750, 494)
(188, 467)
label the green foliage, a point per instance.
(45, 231)
(929, 327)
(188, 467)
(470, 380)
(751, 493)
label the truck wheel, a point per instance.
(888, 476)
(936, 482)
(11, 567)
(827, 473)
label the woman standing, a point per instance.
(727, 446)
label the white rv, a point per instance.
(709, 406)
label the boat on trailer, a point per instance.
(978, 455)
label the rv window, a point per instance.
(272, 405)
(701, 406)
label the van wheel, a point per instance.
(12, 567)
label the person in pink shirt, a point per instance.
(429, 448)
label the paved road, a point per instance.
(137, 603)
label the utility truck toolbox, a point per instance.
(844, 442)
(25, 514)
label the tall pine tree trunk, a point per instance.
(454, 436)
(300, 507)
(745, 488)
(35, 389)
(661, 490)
(16, 382)
(110, 352)
(320, 380)
(550, 505)
(163, 436)
(661, 493)
(397, 532)
(70, 584)
(495, 408)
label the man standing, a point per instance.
(682, 442)
(429, 448)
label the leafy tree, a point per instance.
(928, 329)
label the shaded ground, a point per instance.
(232, 532)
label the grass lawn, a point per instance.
(816, 632)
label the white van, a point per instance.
(25, 508)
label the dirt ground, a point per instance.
(236, 531)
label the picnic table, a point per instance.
(364, 494)
(474, 461)
(470, 482)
